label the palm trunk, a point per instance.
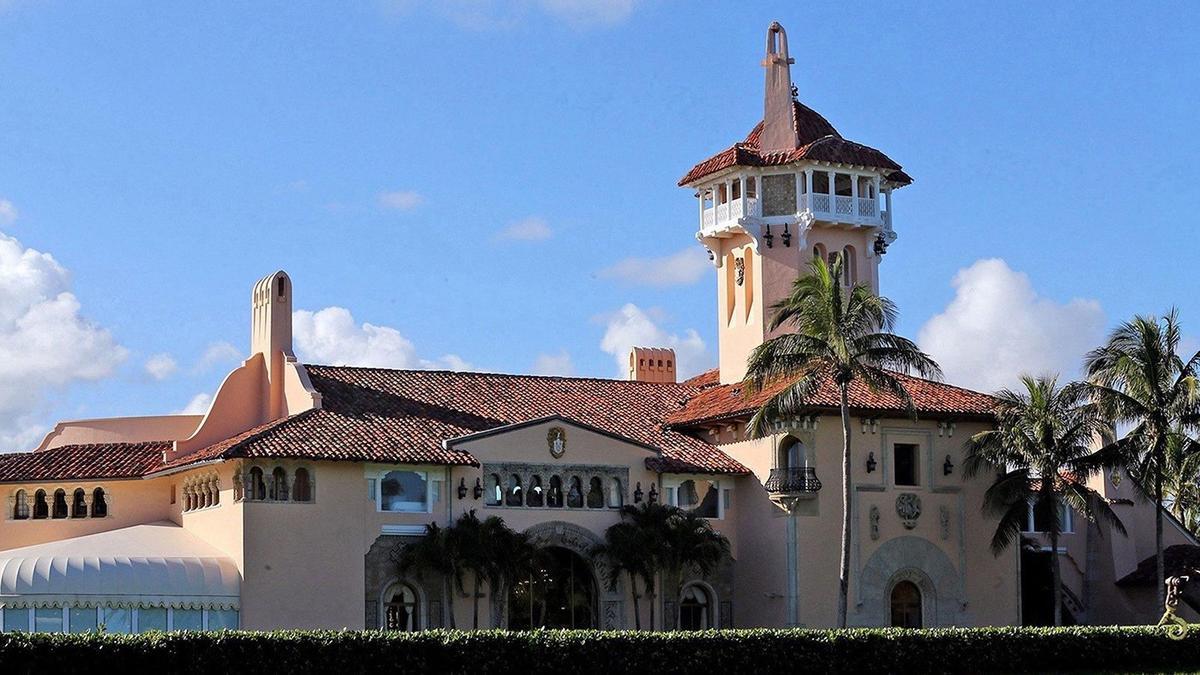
(448, 599)
(1158, 534)
(653, 601)
(475, 602)
(1056, 577)
(844, 573)
(637, 612)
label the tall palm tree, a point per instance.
(651, 521)
(511, 556)
(433, 552)
(691, 543)
(626, 549)
(839, 333)
(1042, 449)
(1181, 479)
(468, 537)
(1140, 379)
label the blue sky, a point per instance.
(492, 184)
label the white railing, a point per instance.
(752, 206)
(707, 218)
(735, 209)
(820, 203)
(844, 206)
(866, 207)
(722, 212)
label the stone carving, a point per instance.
(556, 440)
(908, 507)
(874, 523)
(944, 517)
(739, 270)
(611, 619)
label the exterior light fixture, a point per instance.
(637, 493)
(462, 488)
(871, 463)
(653, 494)
(478, 488)
(787, 236)
(947, 467)
(769, 238)
(880, 245)
(711, 257)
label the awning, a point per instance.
(154, 565)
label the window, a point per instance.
(258, 487)
(616, 496)
(99, 504)
(400, 609)
(187, 619)
(819, 252)
(16, 619)
(792, 454)
(750, 187)
(60, 503)
(81, 619)
(495, 491)
(222, 619)
(535, 496)
(737, 190)
(78, 504)
(1038, 520)
(117, 619)
(906, 605)
(698, 495)
(151, 618)
(277, 490)
(48, 619)
(303, 488)
(20, 506)
(515, 496)
(575, 494)
(404, 491)
(695, 609)
(849, 267)
(820, 182)
(40, 508)
(595, 495)
(554, 497)
(906, 464)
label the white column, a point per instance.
(888, 196)
(854, 193)
(799, 193)
(878, 199)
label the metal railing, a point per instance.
(793, 479)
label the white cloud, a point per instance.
(632, 327)
(45, 344)
(218, 353)
(198, 405)
(685, 267)
(481, 15)
(554, 364)
(528, 229)
(401, 200)
(584, 13)
(997, 327)
(331, 336)
(8, 212)
(161, 366)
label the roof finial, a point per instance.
(779, 128)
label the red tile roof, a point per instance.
(931, 399)
(817, 141)
(95, 461)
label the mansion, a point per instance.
(282, 505)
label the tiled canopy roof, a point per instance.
(817, 141)
(83, 462)
(721, 402)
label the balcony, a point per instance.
(842, 209)
(791, 483)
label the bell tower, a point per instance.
(794, 188)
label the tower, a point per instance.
(794, 188)
(271, 334)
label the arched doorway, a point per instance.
(560, 593)
(906, 605)
(695, 608)
(401, 608)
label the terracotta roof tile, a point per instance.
(930, 398)
(817, 140)
(84, 462)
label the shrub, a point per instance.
(974, 650)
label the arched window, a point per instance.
(575, 494)
(849, 267)
(595, 495)
(906, 605)
(60, 504)
(554, 496)
(819, 251)
(40, 508)
(535, 496)
(99, 504)
(278, 490)
(515, 496)
(258, 487)
(616, 496)
(78, 504)
(695, 608)
(401, 610)
(239, 488)
(792, 454)
(302, 492)
(495, 491)
(20, 506)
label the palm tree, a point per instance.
(1181, 479)
(626, 549)
(838, 333)
(1042, 448)
(469, 539)
(433, 552)
(691, 543)
(651, 521)
(1139, 379)
(511, 556)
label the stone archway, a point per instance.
(924, 564)
(578, 540)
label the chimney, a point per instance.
(652, 364)
(779, 127)
(271, 333)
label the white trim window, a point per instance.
(114, 619)
(403, 490)
(699, 494)
(1035, 524)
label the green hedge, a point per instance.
(974, 650)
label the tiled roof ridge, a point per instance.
(482, 373)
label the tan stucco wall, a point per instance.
(130, 502)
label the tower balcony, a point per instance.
(788, 484)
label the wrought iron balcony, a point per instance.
(794, 481)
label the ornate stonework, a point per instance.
(910, 558)
(908, 507)
(556, 441)
(874, 516)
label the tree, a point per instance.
(840, 334)
(691, 543)
(626, 549)
(1139, 379)
(511, 556)
(1043, 450)
(433, 552)
(651, 521)
(1181, 480)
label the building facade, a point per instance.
(283, 505)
